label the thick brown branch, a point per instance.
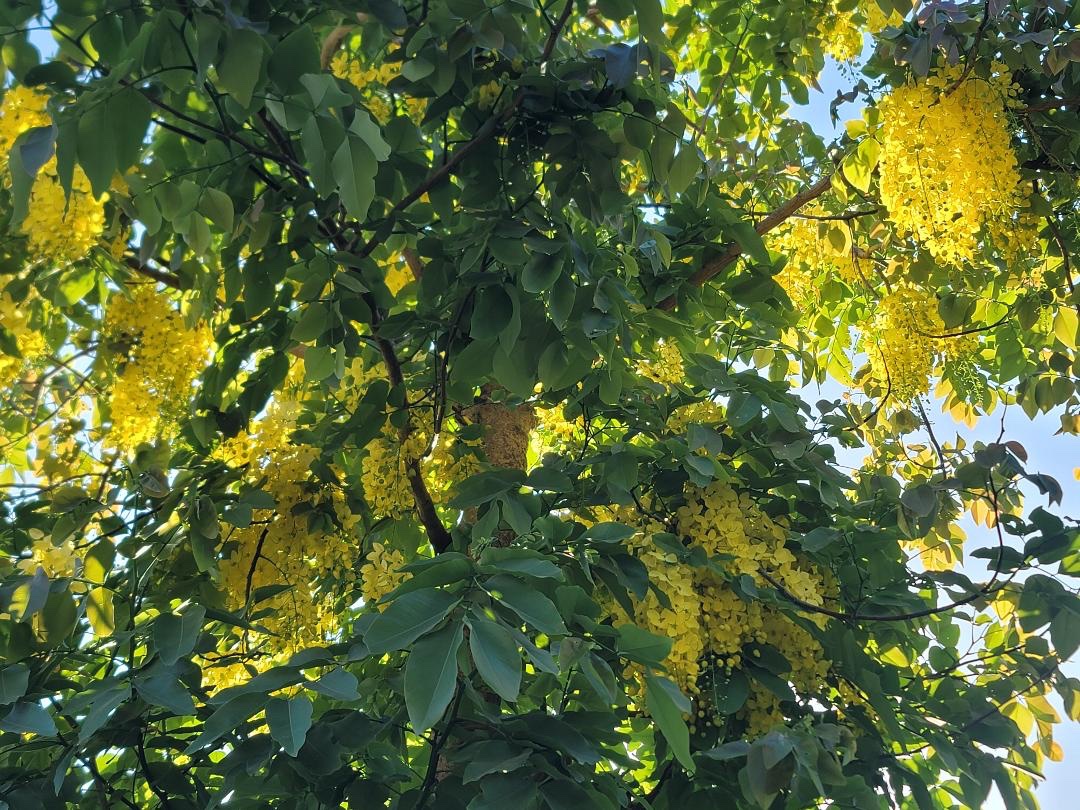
(1052, 104)
(734, 249)
(425, 506)
(162, 276)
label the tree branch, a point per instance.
(486, 131)
(161, 276)
(734, 250)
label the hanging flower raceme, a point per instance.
(23, 108)
(906, 341)
(949, 175)
(814, 251)
(163, 357)
(29, 341)
(712, 627)
(59, 228)
(666, 365)
(381, 573)
(294, 565)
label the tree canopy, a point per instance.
(406, 403)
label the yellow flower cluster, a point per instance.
(948, 169)
(452, 460)
(285, 546)
(811, 258)
(384, 471)
(371, 80)
(15, 320)
(666, 367)
(487, 95)
(553, 430)
(711, 625)
(903, 343)
(840, 34)
(381, 573)
(59, 455)
(58, 228)
(680, 619)
(705, 412)
(163, 356)
(729, 525)
(23, 108)
(900, 345)
(876, 18)
(57, 561)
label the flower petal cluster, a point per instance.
(162, 357)
(29, 341)
(949, 173)
(713, 628)
(905, 343)
(61, 229)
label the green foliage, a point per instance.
(477, 299)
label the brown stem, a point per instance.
(162, 276)
(734, 250)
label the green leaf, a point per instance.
(175, 634)
(241, 66)
(858, 167)
(1065, 633)
(96, 152)
(431, 677)
(165, 690)
(478, 489)
(294, 56)
(217, 206)
(667, 705)
(749, 240)
(226, 718)
(521, 561)
(650, 17)
(1065, 326)
(541, 273)
(314, 320)
(101, 709)
(407, 618)
(354, 168)
(13, 683)
(99, 611)
(28, 718)
(337, 684)
(533, 607)
(289, 721)
(608, 533)
(58, 617)
(32, 150)
(99, 561)
(129, 117)
(491, 313)
(490, 756)
(642, 646)
(683, 169)
(319, 363)
(364, 126)
(920, 499)
(496, 657)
